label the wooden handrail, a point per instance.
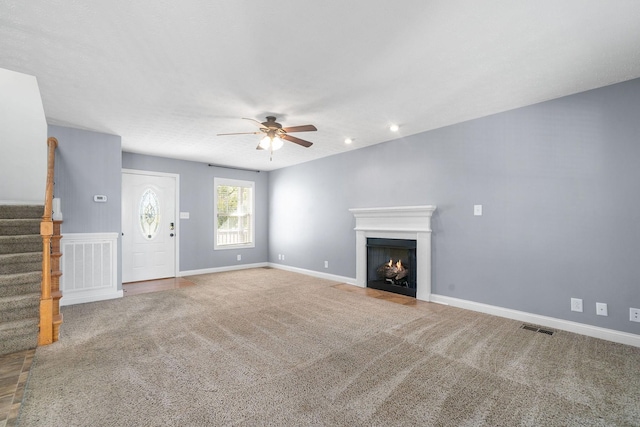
(52, 144)
(45, 336)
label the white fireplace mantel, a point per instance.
(403, 222)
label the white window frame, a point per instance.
(233, 183)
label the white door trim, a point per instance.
(177, 206)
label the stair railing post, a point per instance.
(45, 336)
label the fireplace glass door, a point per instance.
(391, 265)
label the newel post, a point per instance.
(45, 336)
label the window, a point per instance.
(233, 212)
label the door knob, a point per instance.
(171, 234)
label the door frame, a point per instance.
(177, 207)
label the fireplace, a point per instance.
(393, 224)
(391, 265)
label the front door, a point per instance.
(148, 226)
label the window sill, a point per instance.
(237, 246)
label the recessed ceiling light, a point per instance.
(348, 141)
(394, 128)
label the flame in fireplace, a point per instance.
(396, 273)
(398, 266)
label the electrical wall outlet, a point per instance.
(239, 257)
(601, 309)
(326, 264)
(634, 314)
(576, 304)
(283, 257)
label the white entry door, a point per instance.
(148, 226)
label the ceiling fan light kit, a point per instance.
(274, 134)
(268, 142)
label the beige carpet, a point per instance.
(269, 347)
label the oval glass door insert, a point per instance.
(149, 213)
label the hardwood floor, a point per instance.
(384, 295)
(135, 288)
(14, 368)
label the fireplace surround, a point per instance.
(402, 223)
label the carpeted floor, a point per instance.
(270, 347)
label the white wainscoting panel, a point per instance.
(89, 266)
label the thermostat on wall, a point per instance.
(99, 198)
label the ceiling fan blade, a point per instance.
(255, 122)
(240, 133)
(297, 140)
(304, 128)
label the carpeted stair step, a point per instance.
(20, 276)
(20, 244)
(21, 211)
(17, 227)
(18, 335)
(19, 307)
(20, 283)
(20, 263)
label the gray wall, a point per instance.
(196, 197)
(558, 184)
(88, 163)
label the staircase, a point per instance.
(20, 277)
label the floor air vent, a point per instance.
(536, 329)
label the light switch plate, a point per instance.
(477, 210)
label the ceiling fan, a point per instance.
(274, 133)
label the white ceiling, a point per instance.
(167, 76)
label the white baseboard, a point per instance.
(222, 269)
(92, 295)
(327, 276)
(318, 274)
(536, 319)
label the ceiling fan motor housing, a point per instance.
(271, 123)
